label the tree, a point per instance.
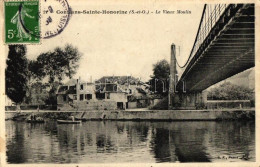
(229, 91)
(55, 66)
(160, 80)
(36, 93)
(35, 70)
(72, 57)
(16, 73)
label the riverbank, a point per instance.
(163, 115)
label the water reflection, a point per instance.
(115, 141)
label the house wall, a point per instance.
(156, 101)
(132, 105)
(112, 100)
(134, 91)
(119, 97)
(93, 104)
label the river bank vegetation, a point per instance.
(36, 81)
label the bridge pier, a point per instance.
(179, 99)
(190, 101)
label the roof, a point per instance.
(140, 90)
(71, 82)
(65, 90)
(108, 87)
(120, 80)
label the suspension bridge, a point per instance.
(224, 46)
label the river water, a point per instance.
(127, 141)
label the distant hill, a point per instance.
(245, 78)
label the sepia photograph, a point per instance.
(110, 82)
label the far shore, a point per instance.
(146, 114)
(138, 109)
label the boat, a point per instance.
(68, 122)
(35, 121)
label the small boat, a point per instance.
(68, 122)
(35, 121)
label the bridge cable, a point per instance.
(204, 9)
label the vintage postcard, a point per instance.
(129, 83)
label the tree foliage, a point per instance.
(23, 76)
(55, 66)
(229, 91)
(16, 73)
(160, 80)
(36, 94)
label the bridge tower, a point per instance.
(179, 98)
(172, 78)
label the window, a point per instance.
(81, 97)
(108, 95)
(74, 97)
(88, 96)
(64, 97)
(81, 87)
(120, 105)
(100, 96)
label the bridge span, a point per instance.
(224, 46)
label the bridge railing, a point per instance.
(210, 16)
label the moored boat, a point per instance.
(35, 121)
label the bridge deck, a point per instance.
(228, 49)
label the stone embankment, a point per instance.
(162, 115)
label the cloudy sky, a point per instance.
(126, 44)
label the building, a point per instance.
(79, 95)
(137, 91)
(107, 93)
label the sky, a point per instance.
(125, 44)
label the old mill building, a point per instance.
(107, 93)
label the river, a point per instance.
(129, 141)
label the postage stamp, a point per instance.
(22, 23)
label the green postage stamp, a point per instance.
(22, 23)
